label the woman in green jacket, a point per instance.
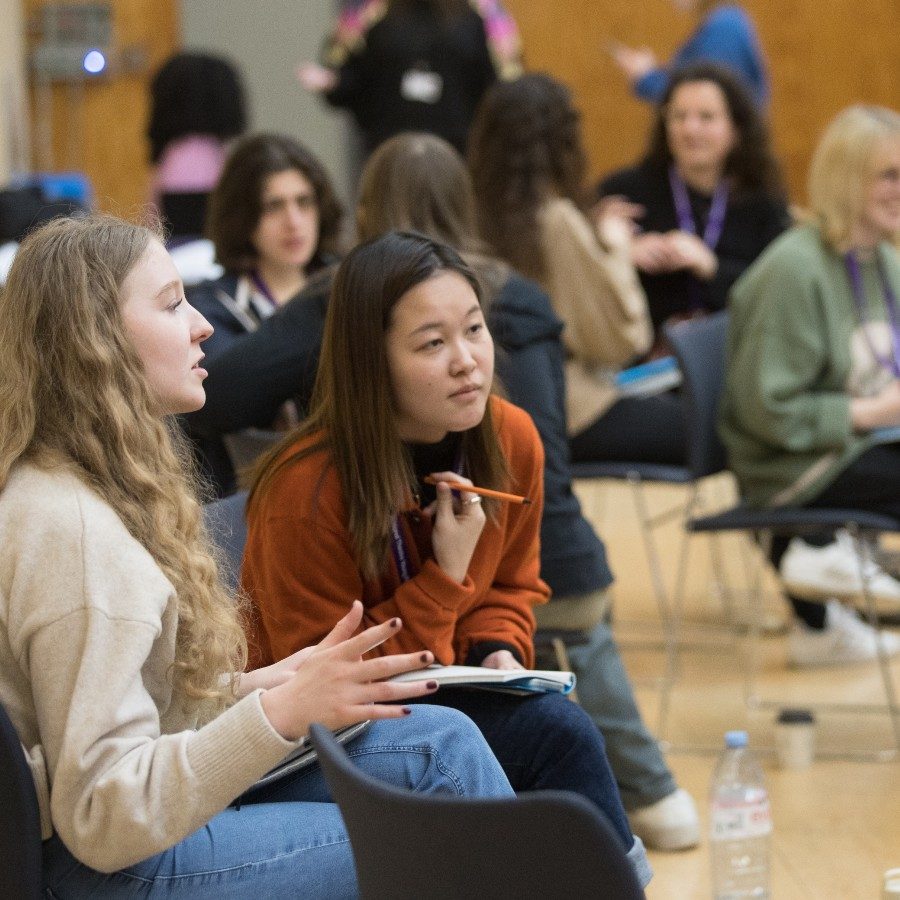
(811, 412)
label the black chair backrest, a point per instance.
(227, 528)
(408, 846)
(20, 820)
(699, 346)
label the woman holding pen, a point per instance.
(121, 654)
(343, 505)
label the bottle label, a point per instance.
(735, 820)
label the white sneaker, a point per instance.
(817, 573)
(845, 639)
(669, 824)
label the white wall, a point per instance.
(267, 38)
(14, 137)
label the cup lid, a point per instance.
(796, 717)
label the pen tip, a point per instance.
(526, 501)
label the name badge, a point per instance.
(422, 87)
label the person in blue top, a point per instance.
(725, 35)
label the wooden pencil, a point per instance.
(482, 492)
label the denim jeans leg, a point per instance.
(604, 692)
(292, 842)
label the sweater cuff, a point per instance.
(479, 652)
(835, 421)
(236, 748)
(439, 587)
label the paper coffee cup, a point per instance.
(795, 738)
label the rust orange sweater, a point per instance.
(301, 575)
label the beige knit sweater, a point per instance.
(597, 294)
(87, 638)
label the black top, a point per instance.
(752, 222)
(414, 37)
(250, 380)
(428, 458)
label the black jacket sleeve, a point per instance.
(259, 371)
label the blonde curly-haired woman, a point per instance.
(119, 648)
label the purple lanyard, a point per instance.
(401, 554)
(892, 362)
(714, 223)
(717, 210)
(263, 288)
(398, 545)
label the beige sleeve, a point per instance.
(595, 291)
(88, 630)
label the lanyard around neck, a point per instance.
(892, 362)
(717, 210)
(263, 288)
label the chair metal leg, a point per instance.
(669, 632)
(755, 701)
(863, 555)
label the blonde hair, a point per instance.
(842, 165)
(73, 393)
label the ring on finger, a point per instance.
(475, 499)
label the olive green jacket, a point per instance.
(797, 354)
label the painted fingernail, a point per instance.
(395, 623)
(425, 658)
(432, 685)
(407, 710)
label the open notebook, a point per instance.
(526, 680)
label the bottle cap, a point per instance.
(735, 740)
(796, 717)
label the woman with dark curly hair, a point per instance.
(274, 220)
(528, 162)
(197, 106)
(707, 197)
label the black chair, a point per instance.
(408, 846)
(700, 348)
(227, 528)
(20, 820)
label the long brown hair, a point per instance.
(751, 165)
(73, 394)
(419, 182)
(353, 409)
(525, 146)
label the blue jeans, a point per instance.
(288, 840)
(546, 742)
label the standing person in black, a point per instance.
(706, 199)
(414, 65)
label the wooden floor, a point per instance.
(836, 824)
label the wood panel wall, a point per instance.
(102, 132)
(823, 55)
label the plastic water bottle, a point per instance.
(740, 823)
